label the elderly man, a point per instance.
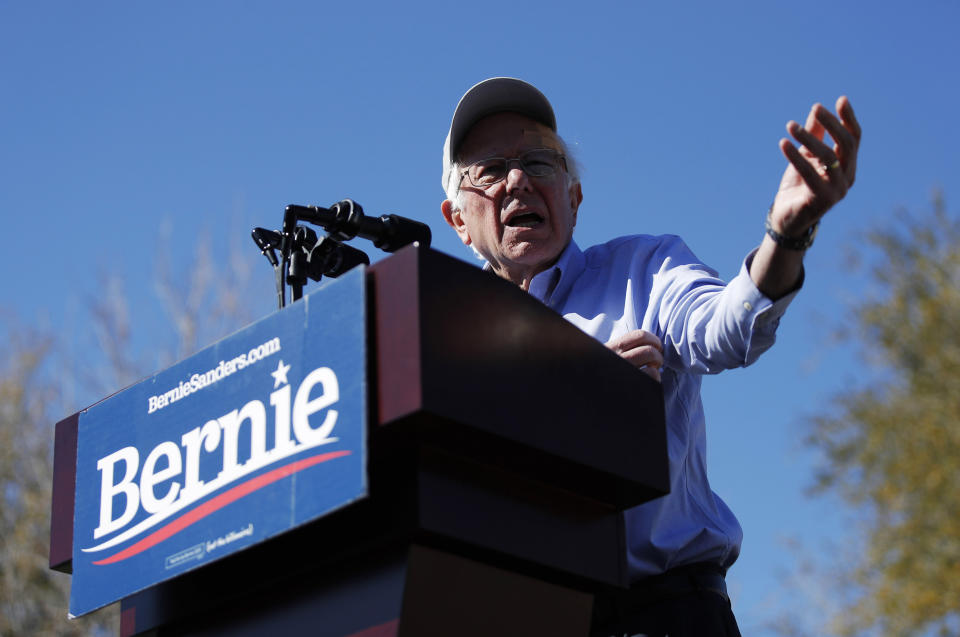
(513, 194)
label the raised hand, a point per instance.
(818, 176)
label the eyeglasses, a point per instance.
(542, 162)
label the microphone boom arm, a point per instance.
(345, 220)
(303, 256)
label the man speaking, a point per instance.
(512, 195)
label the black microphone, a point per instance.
(267, 241)
(345, 220)
(331, 258)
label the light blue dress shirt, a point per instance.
(706, 326)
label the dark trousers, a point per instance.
(689, 601)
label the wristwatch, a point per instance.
(799, 243)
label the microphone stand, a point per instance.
(303, 256)
(297, 270)
(309, 257)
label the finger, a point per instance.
(812, 143)
(642, 349)
(811, 177)
(829, 161)
(634, 338)
(644, 357)
(846, 143)
(812, 124)
(845, 111)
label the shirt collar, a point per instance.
(554, 282)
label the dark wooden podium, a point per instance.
(504, 443)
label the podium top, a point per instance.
(476, 365)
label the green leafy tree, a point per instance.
(891, 449)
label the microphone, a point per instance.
(267, 241)
(345, 220)
(331, 258)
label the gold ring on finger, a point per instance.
(825, 168)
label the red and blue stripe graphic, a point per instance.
(218, 502)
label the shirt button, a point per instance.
(747, 306)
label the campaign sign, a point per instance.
(257, 434)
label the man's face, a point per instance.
(521, 224)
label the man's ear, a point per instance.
(454, 218)
(576, 198)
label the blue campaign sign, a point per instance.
(257, 434)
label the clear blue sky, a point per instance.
(119, 117)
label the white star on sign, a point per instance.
(280, 376)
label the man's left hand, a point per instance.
(818, 176)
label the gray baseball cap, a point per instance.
(495, 95)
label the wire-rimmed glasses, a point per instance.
(540, 162)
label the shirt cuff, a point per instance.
(762, 314)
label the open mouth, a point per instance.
(525, 220)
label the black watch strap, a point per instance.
(790, 243)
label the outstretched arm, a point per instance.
(817, 177)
